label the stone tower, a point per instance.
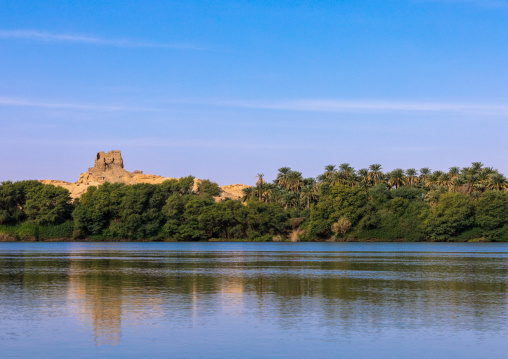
(108, 166)
(107, 161)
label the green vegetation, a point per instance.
(468, 204)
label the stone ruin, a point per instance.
(108, 166)
(107, 161)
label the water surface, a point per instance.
(253, 300)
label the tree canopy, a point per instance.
(340, 204)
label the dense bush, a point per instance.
(492, 215)
(450, 216)
(59, 231)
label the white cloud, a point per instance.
(152, 142)
(299, 105)
(370, 106)
(19, 102)
(72, 38)
(479, 3)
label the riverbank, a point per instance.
(7, 238)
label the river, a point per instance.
(253, 300)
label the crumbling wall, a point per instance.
(105, 161)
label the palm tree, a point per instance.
(471, 180)
(375, 172)
(396, 178)
(456, 183)
(444, 180)
(476, 167)
(346, 169)
(294, 181)
(338, 178)
(489, 170)
(261, 179)
(347, 172)
(454, 172)
(480, 187)
(308, 194)
(497, 181)
(274, 193)
(329, 171)
(282, 176)
(364, 177)
(425, 173)
(483, 177)
(411, 175)
(432, 179)
(259, 192)
(466, 171)
(289, 199)
(309, 181)
(248, 192)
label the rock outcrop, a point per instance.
(108, 167)
(233, 191)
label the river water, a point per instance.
(253, 300)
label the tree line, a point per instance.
(342, 203)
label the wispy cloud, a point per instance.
(479, 3)
(299, 105)
(20, 102)
(91, 40)
(153, 142)
(370, 106)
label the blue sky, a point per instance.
(228, 89)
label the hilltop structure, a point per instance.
(109, 167)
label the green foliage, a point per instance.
(13, 198)
(264, 219)
(460, 205)
(320, 223)
(190, 228)
(185, 185)
(474, 233)
(59, 231)
(223, 220)
(97, 207)
(453, 214)
(492, 210)
(398, 219)
(380, 194)
(408, 192)
(207, 187)
(348, 202)
(26, 231)
(340, 201)
(139, 212)
(48, 205)
(10, 210)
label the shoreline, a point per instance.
(373, 240)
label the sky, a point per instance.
(228, 89)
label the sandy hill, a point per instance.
(108, 167)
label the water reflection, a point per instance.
(112, 291)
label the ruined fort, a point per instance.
(109, 167)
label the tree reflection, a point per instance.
(112, 291)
